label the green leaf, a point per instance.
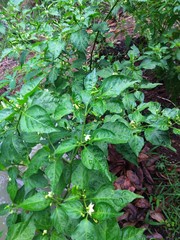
(94, 158)
(13, 148)
(104, 211)
(6, 113)
(127, 153)
(23, 56)
(21, 231)
(148, 85)
(53, 172)
(55, 47)
(29, 88)
(118, 199)
(37, 202)
(176, 131)
(115, 85)
(157, 137)
(3, 209)
(66, 146)
(36, 119)
(12, 189)
(16, 2)
(80, 40)
(131, 233)
(80, 176)
(90, 80)
(60, 220)
(39, 160)
(121, 132)
(2, 28)
(73, 208)
(46, 100)
(65, 107)
(101, 27)
(99, 107)
(136, 143)
(108, 230)
(85, 231)
(103, 135)
(53, 75)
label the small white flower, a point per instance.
(90, 209)
(87, 137)
(49, 195)
(44, 232)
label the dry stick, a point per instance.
(95, 40)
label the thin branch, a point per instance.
(97, 34)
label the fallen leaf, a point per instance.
(142, 203)
(157, 216)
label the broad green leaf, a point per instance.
(108, 229)
(136, 143)
(90, 80)
(80, 40)
(176, 131)
(65, 107)
(85, 231)
(129, 101)
(115, 85)
(6, 113)
(114, 107)
(23, 57)
(59, 219)
(73, 208)
(94, 158)
(131, 233)
(157, 137)
(36, 119)
(3, 209)
(118, 199)
(148, 64)
(42, 219)
(20, 195)
(16, 2)
(121, 132)
(12, 189)
(13, 148)
(37, 202)
(36, 181)
(127, 153)
(53, 75)
(66, 146)
(53, 172)
(21, 231)
(101, 27)
(56, 236)
(99, 107)
(39, 160)
(2, 28)
(46, 100)
(80, 176)
(102, 135)
(148, 85)
(55, 47)
(85, 96)
(104, 211)
(29, 88)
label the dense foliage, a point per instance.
(68, 104)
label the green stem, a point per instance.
(97, 34)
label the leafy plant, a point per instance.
(56, 129)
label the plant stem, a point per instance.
(97, 34)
